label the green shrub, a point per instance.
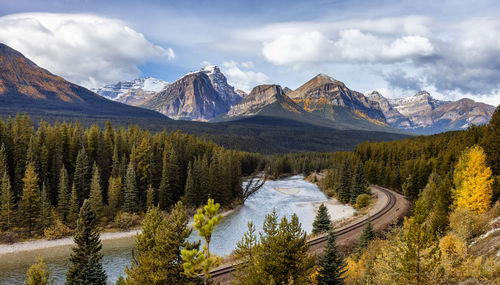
(467, 224)
(362, 201)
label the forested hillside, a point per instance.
(47, 173)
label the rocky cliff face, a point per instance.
(27, 88)
(191, 97)
(262, 97)
(424, 114)
(392, 116)
(219, 82)
(330, 98)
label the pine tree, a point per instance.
(63, 197)
(85, 260)
(158, 256)
(344, 186)
(95, 192)
(130, 195)
(332, 265)
(164, 192)
(4, 167)
(359, 184)
(367, 235)
(473, 182)
(192, 194)
(195, 261)
(6, 203)
(74, 206)
(115, 194)
(322, 223)
(150, 197)
(45, 208)
(38, 274)
(30, 200)
(81, 178)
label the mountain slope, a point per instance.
(392, 116)
(330, 98)
(27, 88)
(219, 82)
(423, 114)
(190, 98)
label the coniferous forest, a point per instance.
(49, 171)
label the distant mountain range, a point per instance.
(205, 95)
(423, 114)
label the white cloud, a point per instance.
(351, 46)
(243, 79)
(86, 49)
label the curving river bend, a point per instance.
(289, 195)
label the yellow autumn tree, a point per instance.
(473, 182)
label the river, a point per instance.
(289, 195)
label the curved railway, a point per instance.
(389, 207)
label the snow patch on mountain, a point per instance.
(116, 91)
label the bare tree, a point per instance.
(255, 182)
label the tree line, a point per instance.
(46, 173)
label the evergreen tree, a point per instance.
(85, 260)
(158, 256)
(344, 186)
(192, 196)
(130, 194)
(359, 184)
(332, 265)
(63, 197)
(281, 256)
(115, 194)
(4, 167)
(45, 208)
(6, 203)
(164, 192)
(81, 178)
(322, 223)
(95, 192)
(38, 274)
(366, 236)
(30, 200)
(150, 197)
(195, 261)
(74, 206)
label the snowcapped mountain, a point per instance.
(424, 114)
(198, 95)
(133, 92)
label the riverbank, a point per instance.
(33, 245)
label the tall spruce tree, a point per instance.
(85, 260)
(150, 197)
(115, 194)
(81, 177)
(6, 203)
(332, 265)
(95, 197)
(45, 208)
(322, 223)
(344, 185)
(64, 194)
(130, 195)
(74, 207)
(4, 167)
(29, 205)
(164, 191)
(359, 184)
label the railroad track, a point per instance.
(391, 203)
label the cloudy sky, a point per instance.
(449, 48)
